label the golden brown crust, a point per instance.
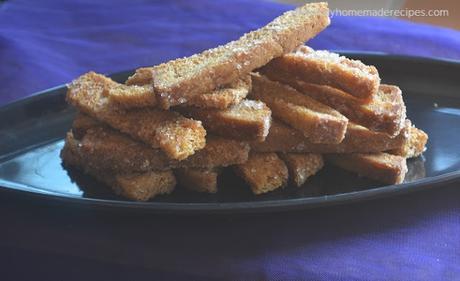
(263, 172)
(318, 122)
(385, 112)
(220, 98)
(414, 145)
(302, 165)
(178, 136)
(133, 186)
(82, 123)
(143, 96)
(196, 179)
(325, 68)
(142, 76)
(178, 80)
(114, 151)
(383, 167)
(144, 186)
(223, 98)
(248, 120)
(283, 138)
(126, 96)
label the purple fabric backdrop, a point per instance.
(48, 43)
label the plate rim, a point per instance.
(263, 206)
(236, 207)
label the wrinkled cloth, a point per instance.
(48, 43)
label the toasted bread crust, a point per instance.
(114, 151)
(249, 120)
(133, 186)
(318, 122)
(385, 112)
(302, 165)
(143, 97)
(223, 98)
(414, 145)
(200, 180)
(178, 136)
(178, 80)
(325, 68)
(144, 186)
(220, 98)
(263, 172)
(82, 123)
(383, 167)
(126, 96)
(142, 76)
(283, 138)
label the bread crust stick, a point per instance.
(263, 172)
(301, 166)
(382, 167)
(326, 68)
(176, 81)
(318, 122)
(283, 138)
(133, 186)
(223, 97)
(414, 145)
(248, 120)
(177, 136)
(82, 123)
(196, 179)
(114, 151)
(220, 98)
(385, 112)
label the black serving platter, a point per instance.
(32, 132)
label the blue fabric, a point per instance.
(48, 43)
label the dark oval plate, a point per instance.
(32, 131)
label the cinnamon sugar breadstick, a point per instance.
(326, 68)
(135, 186)
(283, 138)
(383, 167)
(318, 122)
(177, 136)
(175, 82)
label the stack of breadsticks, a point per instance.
(261, 105)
